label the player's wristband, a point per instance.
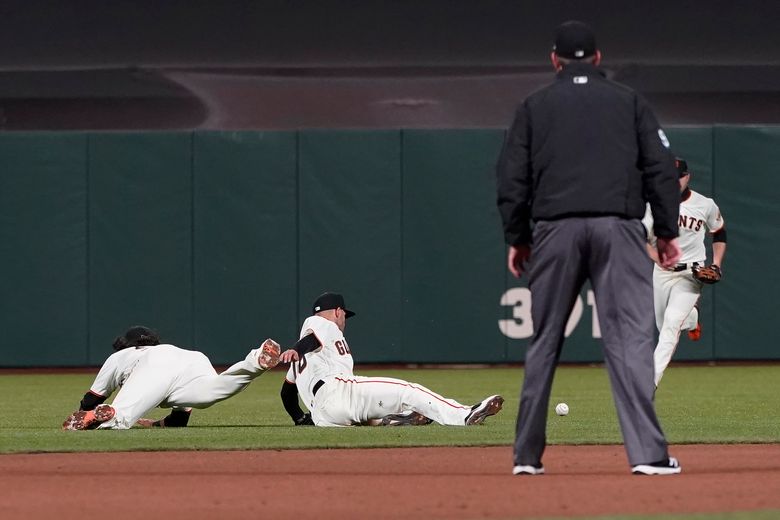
(306, 344)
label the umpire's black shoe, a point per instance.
(479, 412)
(668, 466)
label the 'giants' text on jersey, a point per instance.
(697, 215)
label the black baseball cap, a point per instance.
(330, 300)
(138, 332)
(137, 336)
(682, 166)
(574, 40)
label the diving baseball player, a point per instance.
(150, 373)
(677, 290)
(321, 368)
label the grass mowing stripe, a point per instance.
(701, 404)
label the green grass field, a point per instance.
(702, 404)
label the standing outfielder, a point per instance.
(677, 290)
(321, 368)
(150, 373)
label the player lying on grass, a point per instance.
(321, 371)
(150, 373)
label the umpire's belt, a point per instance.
(683, 267)
(317, 386)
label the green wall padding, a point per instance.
(140, 236)
(221, 239)
(453, 271)
(747, 187)
(43, 245)
(245, 246)
(349, 234)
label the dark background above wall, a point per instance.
(377, 64)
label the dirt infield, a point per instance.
(455, 483)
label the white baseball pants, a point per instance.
(675, 294)
(353, 400)
(170, 377)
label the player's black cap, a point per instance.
(330, 300)
(682, 166)
(137, 336)
(574, 40)
(138, 332)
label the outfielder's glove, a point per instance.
(305, 420)
(708, 274)
(269, 354)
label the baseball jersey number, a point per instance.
(342, 347)
(302, 364)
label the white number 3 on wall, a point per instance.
(521, 326)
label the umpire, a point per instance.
(583, 156)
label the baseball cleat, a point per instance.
(668, 466)
(89, 419)
(269, 354)
(405, 419)
(479, 412)
(695, 334)
(528, 470)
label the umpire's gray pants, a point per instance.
(610, 251)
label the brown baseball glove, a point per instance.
(707, 274)
(269, 354)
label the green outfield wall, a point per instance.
(221, 239)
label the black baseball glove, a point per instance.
(707, 274)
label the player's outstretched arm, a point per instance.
(288, 356)
(305, 345)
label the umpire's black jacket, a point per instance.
(585, 146)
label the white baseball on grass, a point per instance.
(562, 409)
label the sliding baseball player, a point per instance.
(149, 373)
(321, 371)
(677, 290)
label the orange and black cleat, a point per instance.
(695, 334)
(89, 419)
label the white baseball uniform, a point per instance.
(344, 399)
(168, 377)
(677, 291)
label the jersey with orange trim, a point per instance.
(332, 358)
(698, 214)
(345, 399)
(169, 377)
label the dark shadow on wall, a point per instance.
(96, 100)
(287, 64)
(284, 98)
